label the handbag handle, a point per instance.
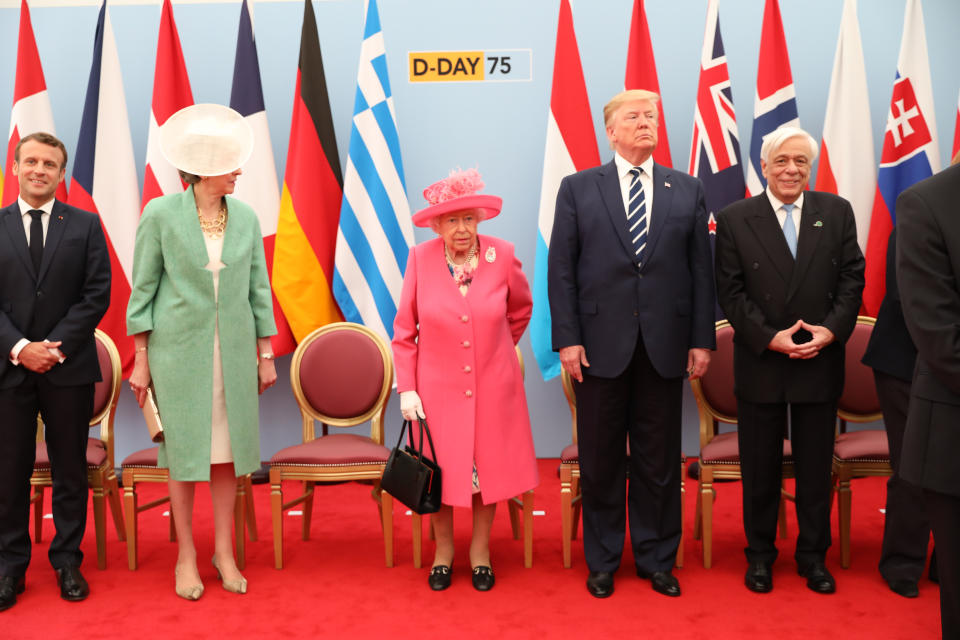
(423, 427)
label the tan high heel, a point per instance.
(233, 586)
(188, 592)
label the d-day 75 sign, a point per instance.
(493, 65)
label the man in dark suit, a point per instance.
(632, 306)
(789, 279)
(892, 356)
(928, 270)
(54, 288)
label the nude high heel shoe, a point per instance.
(233, 586)
(187, 591)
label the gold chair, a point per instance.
(518, 506)
(341, 376)
(570, 495)
(141, 466)
(101, 475)
(857, 454)
(720, 452)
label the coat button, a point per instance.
(468, 393)
(766, 296)
(635, 313)
(830, 295)
(467, 369)
(756, 265)
(464, 319)
(39, 293)
(466, 344)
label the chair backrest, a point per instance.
(341, 375)
(716, 401)
(571, 397)
(859, 402)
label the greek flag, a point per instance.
(375, 231)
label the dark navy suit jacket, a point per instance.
(600, 298)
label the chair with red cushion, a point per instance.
(857, 454)
(100, 470)
(341, 376)
(720, 452)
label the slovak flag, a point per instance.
(105, 177)
(910, 152)
(775, 103)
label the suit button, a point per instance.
(466, 344)
(766, 297)
(468, 393)
(640, 275)
(635, 313)
(755, 265)
(467, 369)
(830, 295)
(464, 319)
(834, 261)
(39, 293)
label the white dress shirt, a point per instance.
(646, 179)
(782, 213)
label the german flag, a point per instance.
(310, 203)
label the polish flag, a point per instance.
(847, 134)
(642, 74)
(31, 105)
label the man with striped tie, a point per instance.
(632, 307)
(789, 279)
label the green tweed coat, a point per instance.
(172, 297)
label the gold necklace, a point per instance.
(470, 256)
(213, 228)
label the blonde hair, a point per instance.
(774, 140)
(617, 101)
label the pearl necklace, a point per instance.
(213, 228)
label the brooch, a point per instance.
(818, 223)
(490, 255)
(666, 184)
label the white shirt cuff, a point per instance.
(17, 348)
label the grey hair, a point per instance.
(774, 140)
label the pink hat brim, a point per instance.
(490, 204)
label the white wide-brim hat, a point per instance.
(206, 140)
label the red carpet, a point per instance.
(336, 585)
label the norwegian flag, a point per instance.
(715, 152)
(171, 92)
(775, 103)
(109, 187)
(31, 105)
(910, 152)
(642, 74)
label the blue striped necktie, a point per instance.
(790, 230)
(637, 215)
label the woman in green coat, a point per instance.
(201, 314)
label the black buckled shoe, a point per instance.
(10, 586)
(439, 578)
(483, 578)
(73, 587)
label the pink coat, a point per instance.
(457, 353)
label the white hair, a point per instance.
(774, 140)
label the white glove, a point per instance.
(410, 406)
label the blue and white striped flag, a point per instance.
(375, 232)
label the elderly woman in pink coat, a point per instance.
(465, 303)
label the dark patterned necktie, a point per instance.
(637, 215)
(36, 239)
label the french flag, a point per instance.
(31, 105)
(110, 186)
(258, 185)
(775, 104)
(910, 152)
(171, 92)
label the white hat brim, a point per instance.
(206, 140)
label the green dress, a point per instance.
(173, 298)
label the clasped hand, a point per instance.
(783, 340)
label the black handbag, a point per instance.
(411, 476)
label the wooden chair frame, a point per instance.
(355, 473)
(103, 478)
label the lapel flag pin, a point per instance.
(818, 223)
(666, 184)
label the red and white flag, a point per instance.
(171, 92)
(642, 74)
(105, 177)
(31, 105)
(847, 134)
(956, 135)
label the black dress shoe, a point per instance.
(759, 579)
(600, 584)
(663, 582)
(818, 578)
(905, 588)
(72, 585)
(483, 578)
(10, 586)
(439, 578)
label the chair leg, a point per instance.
(566, 514)
(37, 514)
(251, 510)
(706, 504)
(307, 508)
(276, 509)
(528, 529)
(113, 495)
(100, 523)
(130, 506)
(698, 516)
(239, 523)
(844, 502)
(416, 523)
(385, 500)
(683, 490)
(512, 507)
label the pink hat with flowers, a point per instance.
(457, 192)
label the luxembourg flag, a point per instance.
(31, 105)
(910, 152)
(258, 186)
(847, 134)
(571, 146)
(109, 187)
(775, 104)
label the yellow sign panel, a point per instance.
(446, 66)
